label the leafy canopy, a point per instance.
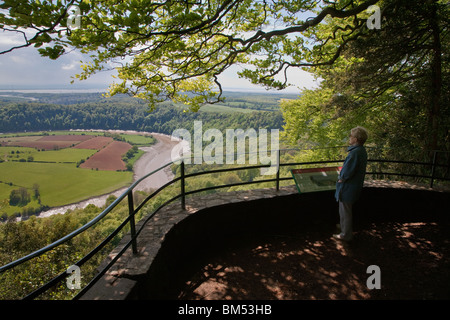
(176, 49)
(395, 81)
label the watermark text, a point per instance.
(235, 142)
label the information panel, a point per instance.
(316, 179)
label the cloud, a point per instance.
(70, 66)
(301, 79)
(9, 39)
(20, 60)
(298, 79)
(25, 68)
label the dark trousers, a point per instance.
(346, 219)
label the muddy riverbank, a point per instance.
(155, 156)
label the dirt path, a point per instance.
(155, 156)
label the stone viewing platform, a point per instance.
(117, 283)
(208, 221)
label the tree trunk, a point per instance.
(436, 80)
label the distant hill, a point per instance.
(20, 111)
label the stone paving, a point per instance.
(120, 279)
(117, 282)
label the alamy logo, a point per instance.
(213, 153)
(73, 282)
(74, 17)
(374, 281)
(374, 21)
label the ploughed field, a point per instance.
(60, 168)
(108, 157)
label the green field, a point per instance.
(63, 155)
(59, 184)
(138, 140)
(224, 109)
(56, 173)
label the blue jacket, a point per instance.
(352, 175)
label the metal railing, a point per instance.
(132, 210)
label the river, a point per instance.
(154, 157)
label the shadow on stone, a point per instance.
(281, 248)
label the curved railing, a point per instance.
(132, 210)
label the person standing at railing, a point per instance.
(351, 180)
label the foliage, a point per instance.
(56, 173)
(61, 184)
(20, 238)
(124, 116)
(19, 197)
(177, 49)
(394, 81)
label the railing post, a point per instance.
(433, 168)
(132, 222)
(278, 169)
(183, 192)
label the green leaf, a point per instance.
(52, 53)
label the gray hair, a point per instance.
(360, 134)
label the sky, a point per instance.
(25, 69)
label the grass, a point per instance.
(63, 155)
(60, 181)
(217, 108)
(139, 140)
(10, 153)
(60, 184)
(224, 109)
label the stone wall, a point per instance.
(175, 241)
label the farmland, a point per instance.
(59, 183)
(52, 158)
(109, 157)
(53, 142)
(62, 168)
